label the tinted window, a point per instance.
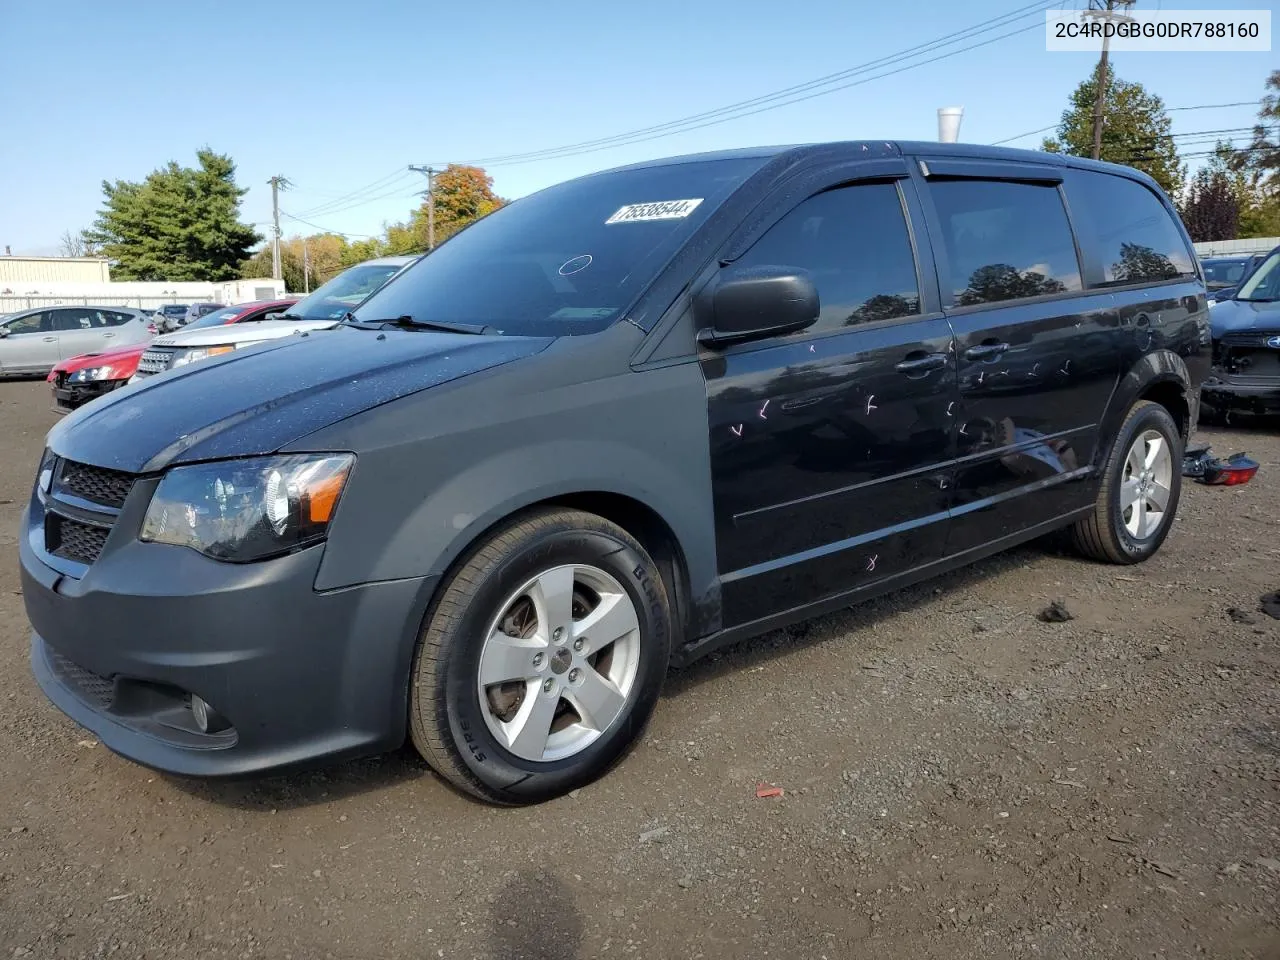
(76, 319)
(1005, 241)
(854, 243)
(109, 318)
(566, 260)
(31, 323)
(1138, 240)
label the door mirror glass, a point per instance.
(745, 303)
(4, 332)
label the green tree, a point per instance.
(463, 195)
(1135, 132)
(180, 223)
(326, 257)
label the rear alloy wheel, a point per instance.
(1140, 488)
(542, 659)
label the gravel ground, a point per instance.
(961, 780)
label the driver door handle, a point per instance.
(987, 350)
(50, 339)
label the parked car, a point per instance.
(322, 309)
(198, 310)
(33, 341)
(1246, 345)
(616, 424)
(81, 379)
(1223, 275)
(169, 316)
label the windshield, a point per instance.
(1223, 273)
(213, 319)
(567, 260)
(1264, 282)
(332, 300)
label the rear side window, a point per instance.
(1138, 241)
(1005, 241)
(853, 241)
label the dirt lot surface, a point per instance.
(961, 780)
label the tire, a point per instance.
(498, 610)
(1108, 534)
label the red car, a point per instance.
(81, 379)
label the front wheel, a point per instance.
(1140, 488)
(543, 658)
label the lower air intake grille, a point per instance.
(73, 540)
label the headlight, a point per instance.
(252, 509)
(92, 373)
(182, 357)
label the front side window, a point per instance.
(1004, 240)
(853, 242)
(567, 260)
(1138, 239)
(31, 323)
(1263, 285)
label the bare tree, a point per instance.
(75, 245)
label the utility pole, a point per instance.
(306, 268)
(278, 183)
(431, 202)
(1105, 11)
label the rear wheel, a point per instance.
(542, 660)
(1140, 489)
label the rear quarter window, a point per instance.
(1135, 238)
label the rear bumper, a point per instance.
(299, 676)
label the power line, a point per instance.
(362, 236)
(1198, 106)
(821, 86)
(380, 183)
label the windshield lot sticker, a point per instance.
(661, 210)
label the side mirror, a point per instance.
(4, 332)
(748, 303)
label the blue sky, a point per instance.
(339, 96)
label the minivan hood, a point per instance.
(250, 331)
(259, 399)
(1235, 316)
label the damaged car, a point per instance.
(1246, 346)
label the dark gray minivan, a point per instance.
(613, 426)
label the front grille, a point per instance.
(97, 690)
(98, 484)
(74, 540)
(155, 360)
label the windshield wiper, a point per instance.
(407, 322)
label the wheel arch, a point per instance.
(1160, 376)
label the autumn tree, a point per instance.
(1258, 166)
(1136, 130)
(463, 195)
(1211, 208)
(180, 223)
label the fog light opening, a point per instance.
(207, 719)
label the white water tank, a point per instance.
(949, 123)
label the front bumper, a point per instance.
(1222, 394)
(70, 396)
(300, 676)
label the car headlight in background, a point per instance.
(182, 357)
(91, 374)
(251, 509)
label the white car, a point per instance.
(321, 310)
